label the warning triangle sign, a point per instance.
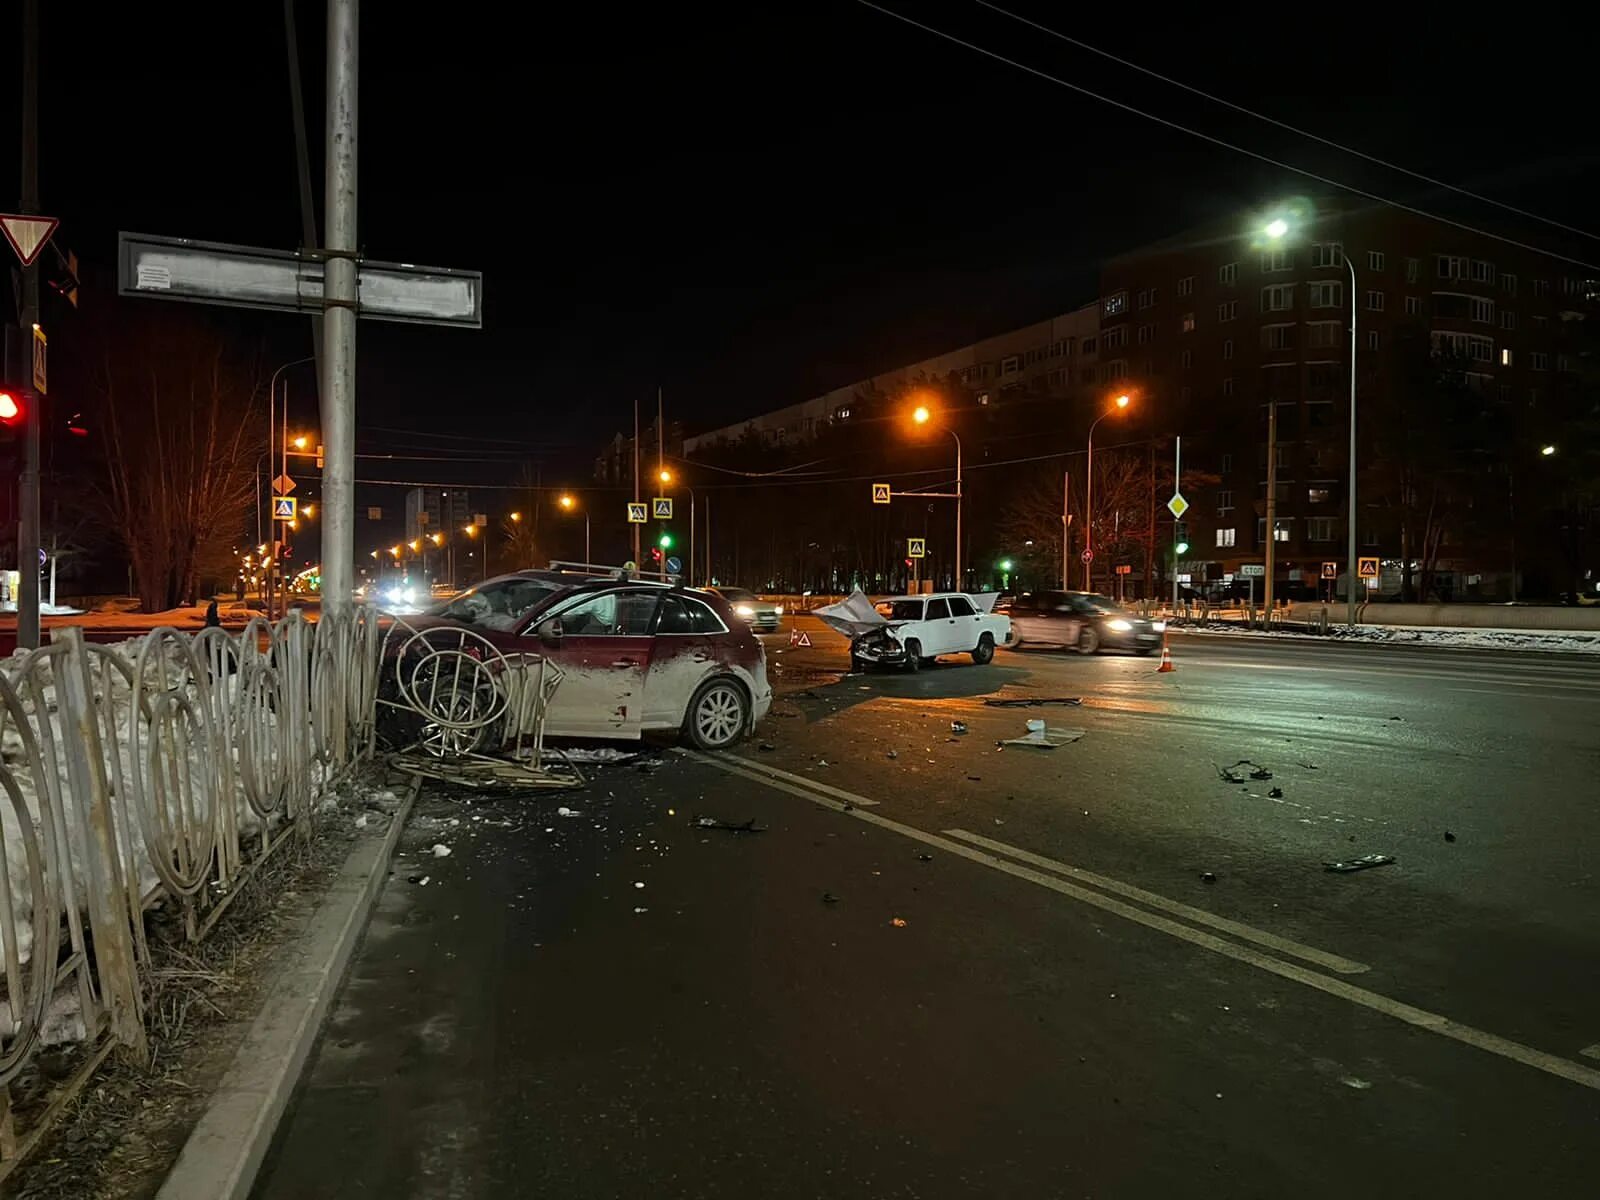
(27, 234)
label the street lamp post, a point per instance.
(1545, 451)
(666, 478)
(569, 504)
(922, 416)
(1119, 404)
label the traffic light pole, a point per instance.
(28, 484)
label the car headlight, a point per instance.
(744, 610)
(1119, 625)
(1159, 626)
(777, 610)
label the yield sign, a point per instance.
(27, 234)
(283, 485)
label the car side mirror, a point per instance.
(549, 631)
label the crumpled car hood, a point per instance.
(852, 616)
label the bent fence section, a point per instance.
(163, 768)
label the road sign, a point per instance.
(1227, 577)
(1330, 570)
(291, 281)
(283, 485)
(916, 547)
(799, 637)
(41, 377)
(674, 565)
(1177, 505)
(880, 493)
(1367, 568)
(374, 514)
(1087, 556)
(27, 233)
(661, 508)
(1124, 568)
(283, 508)
(1253, 570)
(638, 513)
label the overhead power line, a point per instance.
(1222, 142)
(1284, 125)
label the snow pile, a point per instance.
(1423, 635)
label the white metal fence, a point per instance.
(164, 768)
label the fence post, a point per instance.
(86, 774)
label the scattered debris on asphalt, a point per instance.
(440, 850)
(637, 884)
(1275, 793)
(898, 922)
(822, 762)
(1344, 866)
(958, 727)
(1041, 737)
(650, 766)
(1030, 701)
(1208, 877)
(766, 746)
(361, 821)
(829, 898)
(600, 754)
(975, 778)
(893, 754)
(1448, 836)
(1351, 1081)
(1310, 766)
(1231, 775)
(924, 858)
(638, 909)
(564, 811)
(749, 826)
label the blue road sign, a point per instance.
(674, 565)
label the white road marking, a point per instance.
(1539, 1060)
(1199, 916)
(1499, 692)
(816, 784)
(1591, 1051)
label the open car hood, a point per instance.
(852, 616)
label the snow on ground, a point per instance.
(1425, 635)
(114, 615)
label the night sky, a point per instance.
(748, 207)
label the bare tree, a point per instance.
(181, 420)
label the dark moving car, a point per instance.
(1086, 621)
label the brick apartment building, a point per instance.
(1212, 327)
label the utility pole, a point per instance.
(635, 526)
(1272, 506)
(1066, 529)
(339, 306)
(28, 484)
(1177, 475)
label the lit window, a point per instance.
(1226, 537)
(1114, 304)
(1188, 322)
(1505, 358)
(1318, 495)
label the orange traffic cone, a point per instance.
(1166, 656)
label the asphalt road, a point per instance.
(1069, 1009)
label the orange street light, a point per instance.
(566, 502)
(301, 442)
(664, 475)
(470, 530)
(308, 510)
(437, 539)
(416, 544)
(516, 516)
(569, 504)
(1117, 405)
(395, 550)
(921, 415)
(1123, 401)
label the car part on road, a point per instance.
(1029, 701)
(1208, 877)
(829, 898)
(958, 727)
(1365, 862)
(1231, 775)
(1275, 793)
(749, 826)
(1448, 836)
(1040, 737)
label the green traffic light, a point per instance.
(666, 541)
(1183, 547)
(1005, 564)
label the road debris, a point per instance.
(1275, 793)
(638, 909)
(600, 754)
(893, 754)
(440, 850)
(1310, 766)
(564, 811)
(637, 884)
(958, 727)
(1030, 701)
(1208, 877)
(768, 746)
(1344, 866)
(829, 898)
(1350, 1081)
(898, 922)
(1231, 774)
(1041, 737)
(361, 821)
(924, 858)
(749, 826)
(1448, 836)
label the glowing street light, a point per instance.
(436, 538)
(1117, 405)
(416, 545)
(1276, 228)
(664, 475)
(922, 415)
(516, 516)
(470, 530)
(308, 510)
(1547, 451)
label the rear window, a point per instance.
(685, 615)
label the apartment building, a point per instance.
(1215, 327)
(1056, 356)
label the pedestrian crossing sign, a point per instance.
(1367, 568)
(636, 512)
(283, 508)
(916, 547)
(880, 493)
(662, 508)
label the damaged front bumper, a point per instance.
(878, 646)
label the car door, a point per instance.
(965, 624)
(938, 637)
(681, 657)
(604, 650)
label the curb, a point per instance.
(225, 1150)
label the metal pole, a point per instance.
(302, 154)
(1511, 506)
(708, 576)
(959, 585)
(1066, 528)
(690, 578)
(1350, 556)
(1272, 506)
(635, 527)
(339, 306)
(588, 556)
(1177, 475)
(1088, 513)
(28, 485)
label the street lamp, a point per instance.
(1547, 451)
(1277, 229)
(1117, 405)
(921, 416)
(569, 504)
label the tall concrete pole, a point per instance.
(339, 298)
(1272, 504)
(1350, 523)
(28, 484)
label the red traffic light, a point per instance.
(10, 408)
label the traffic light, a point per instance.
(665, 542)
(1183, 547)
(16, 364)
(11, 410)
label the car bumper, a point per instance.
(1133, 639)
(764, 622)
